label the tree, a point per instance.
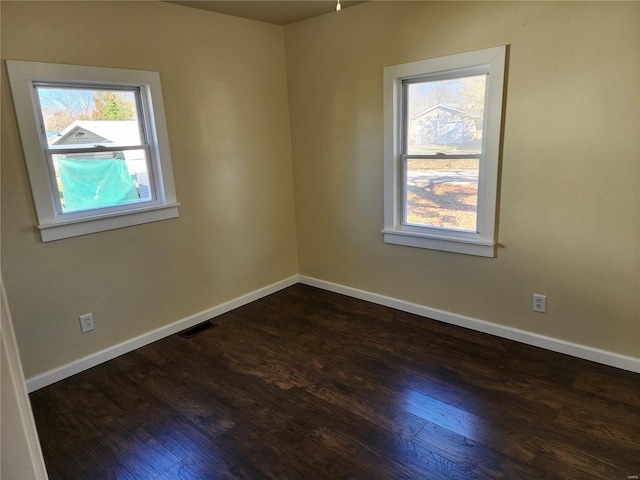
(63, 106)
(472, 94)
(112, 106)
(426, 95)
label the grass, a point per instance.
(450, 205)
(443, 164)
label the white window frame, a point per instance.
(52, 223)
(481, 242)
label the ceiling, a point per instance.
(280, 12)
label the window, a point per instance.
(96, 147)
(442, 121)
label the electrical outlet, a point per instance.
(86, 322)
(539, 303)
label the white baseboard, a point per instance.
(77, 366)
(581, 351)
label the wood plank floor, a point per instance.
(307, 384)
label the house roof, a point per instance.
(121, 132)
(447, 107)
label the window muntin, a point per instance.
(441, 173)
(139, 153)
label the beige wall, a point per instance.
(20, 453)
(569, 217)
(569, 214)
(225, 99)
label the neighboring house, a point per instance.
(124, 132)
(98, 132)
(444, 125)
(107, 133)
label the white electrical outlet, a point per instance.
(539, 303)
(86, 322)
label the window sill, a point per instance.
(467, 246)
(100, 223)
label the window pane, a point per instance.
(445, 116)
(84, 117)
(99, 180)
(442, 193)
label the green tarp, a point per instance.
(88, 183)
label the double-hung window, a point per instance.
(442, 146)
(96, 147)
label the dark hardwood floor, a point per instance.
(307, 384)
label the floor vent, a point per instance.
(195, 330)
